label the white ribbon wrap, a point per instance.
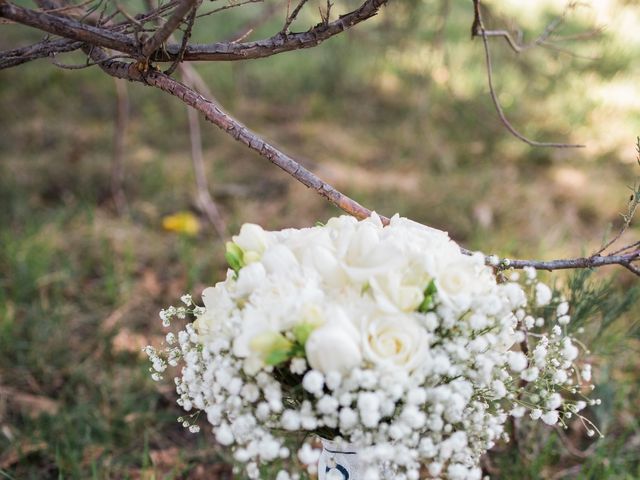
(338, 461)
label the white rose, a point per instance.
(250, 278)
(394, 341)
(403, 226)
(279, 258)
(455, 283)
(322, 260)
(334, 348)
(394, 293)
(366, 256)
(252, 240)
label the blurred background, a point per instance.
(397, 114)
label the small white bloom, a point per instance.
(550, 417)
(290, 420)
(348, 418)
(298, 366)
(518, 411)
(559, 377)
(554, 401)
(224, 435)
(530, 374)
(563, 309)
(308, 455)
(543, 294)
(313, 382)
(517, 361)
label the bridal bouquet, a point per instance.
(384, 340)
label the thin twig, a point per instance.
(566, 442)
(268, 12)
(87, 64)
(165, 31)
(185, 41)
(227, 7)
(205, 200)
(290, 18)
(478, 28)
(119, 146)
(324, 16)
(67, 8)
(632, 207)
(632, 268)
(566, 51)
(129, 17)
(626, 248)
(540, 40)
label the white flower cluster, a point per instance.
(385, 337)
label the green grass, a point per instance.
(397, 115)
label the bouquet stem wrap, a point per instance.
(338, 461)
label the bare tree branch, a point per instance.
(583, 262)
(222, 51)
(69, 28)
(45, 48)
(165, 31)
(234, 128)
(279, 43)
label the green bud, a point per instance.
(428, 303)
(234, 256)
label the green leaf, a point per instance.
(302, 331)
(277, 356)
(428, 304)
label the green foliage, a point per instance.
(597, 307)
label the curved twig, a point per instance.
(478, 29)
